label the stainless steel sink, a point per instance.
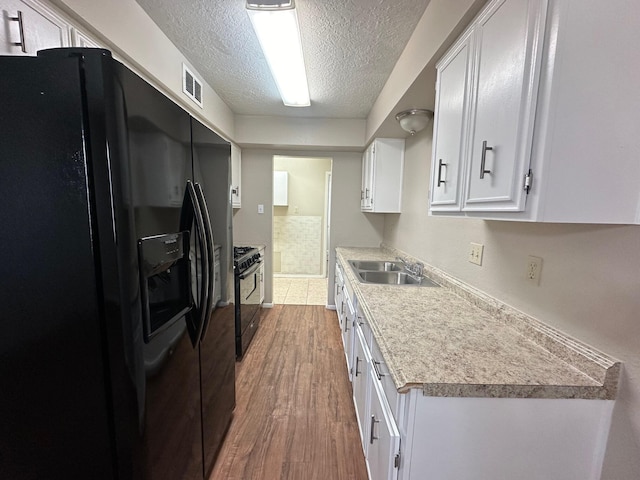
(395, 278)
(387, 273)
(375, 265)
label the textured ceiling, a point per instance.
(350, 48)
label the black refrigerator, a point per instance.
(114, 361)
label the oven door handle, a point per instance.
(251, 271)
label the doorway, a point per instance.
(301, 206)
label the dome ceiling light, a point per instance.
(414, 120)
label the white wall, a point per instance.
(440, 23)
(129, 32)
(589, 288)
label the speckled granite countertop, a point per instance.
(456, 341)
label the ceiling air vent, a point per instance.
(191, 86)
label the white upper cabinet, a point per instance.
(508, 37)
(29, 26)
(84, 40)
(236, 176)
(548, 134)
(382, 168)
(280, 189)
(365, 191)
(452, 99)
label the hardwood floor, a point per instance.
(294, 417)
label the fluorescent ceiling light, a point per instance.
(279, 37)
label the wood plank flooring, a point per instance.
(294, 417)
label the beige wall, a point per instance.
(340, 134)
(306, 184)
(306, 198)
(125, 28)
(348, 225)
(589, 288)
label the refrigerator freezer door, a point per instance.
(211, 170)
(53, 407)
(159, 144)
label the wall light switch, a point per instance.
(475, 253)
(260, 208)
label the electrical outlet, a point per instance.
(260, 208)
(534, 267)
(475, 253)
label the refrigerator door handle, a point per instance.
(208, 229)
(187, 219)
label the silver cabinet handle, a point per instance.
(21, 43)
(356, 366)
(440, 165)
(366, 193)
(372, 437)
(360, 322)
(379, 374)
(483, 159)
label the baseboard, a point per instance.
(267, 305)
(330, 307)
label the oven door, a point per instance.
(249, 294)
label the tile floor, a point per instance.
(299, 291)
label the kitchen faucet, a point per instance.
(414, 268)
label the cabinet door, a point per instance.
(509, 46)
(450, 126)
(339, 291)
(27, 28)
(342, 310)
(81, 39)
(367, 178)
(347, 332)
(361, 361)
(236, 175)
(384, 438)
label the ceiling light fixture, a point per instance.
(414, 120)
(276, 25)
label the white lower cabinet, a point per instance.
(383, 451)
(361, 361)
(379, 433)
(347, 330)
(410, 436)
(338, 293)
(503, 438)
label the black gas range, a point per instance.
(248, 270)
